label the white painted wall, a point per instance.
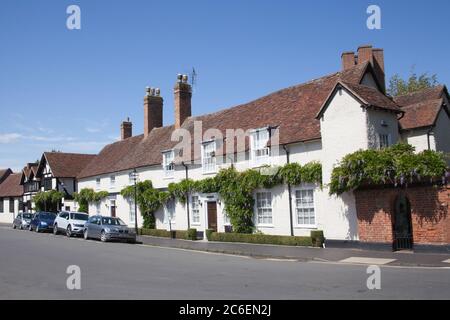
(418, 139)
(6, 216)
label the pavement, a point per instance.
(34, 266)
(333, 255)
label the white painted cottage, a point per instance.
(321, 120)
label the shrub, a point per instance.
(192, 234)
(155, 233)
(317, 238)
(181, 234)
(261, 239)
(208, 233)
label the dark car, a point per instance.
(42, 221)
(22, 221)
(107, 229)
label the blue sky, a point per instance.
(70, 89)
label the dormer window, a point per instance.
(168, 163)
(209, 157)
(259, 152)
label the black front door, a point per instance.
(403, 238)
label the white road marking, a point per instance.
(446, 261)
(367, 260)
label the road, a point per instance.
(33, 266)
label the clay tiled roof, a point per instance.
(4, 174)
(11, 186)
(422, 114)
(66, 165)
(292, 110)
(372, 97)
(420, 96)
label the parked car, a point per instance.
(42, 221)
(71, 223)
(22, 221)
(107, 229)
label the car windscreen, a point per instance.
(113, 222)
(27, 216)
(46, 215)
(79, 216)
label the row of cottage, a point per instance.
(322, 120)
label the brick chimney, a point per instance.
(367, 54)
(153, 110)
(126, 129)
(183, 95)
(348, 60)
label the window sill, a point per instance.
(265, 226)
(209, 172)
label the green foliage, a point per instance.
(209, 232)
(148, 199)
(155, 233)
(261, 239)
(399, 86)
(192, 234)
(395, 165)
(48, 201)
(86, 196)
(317, 238)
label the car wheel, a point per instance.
(30, 228)
(37, 229)
(103, 237)
(69, 231)
(55, 229)
(14, 226)
(21, 227)
(86, 236)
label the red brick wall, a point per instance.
(429, 213)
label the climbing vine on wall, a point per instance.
(235, 189)
(86, 196)
(396, 165)
(48, 201)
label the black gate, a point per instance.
(403, 236)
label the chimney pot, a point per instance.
(153, 110)
(183, 96)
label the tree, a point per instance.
(399, 86)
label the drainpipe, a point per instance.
(187, 195)
(289, 192)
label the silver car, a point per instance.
(108, 229)
(22, 221)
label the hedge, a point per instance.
(191, 234)
(261, 239)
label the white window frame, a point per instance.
(262, 208)
(195, 208)
(305, 206)
(384, 140)
(168, 163)
(112, 181)
(259, 147)
(98, 183)
(209, 164)
(98, 208)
